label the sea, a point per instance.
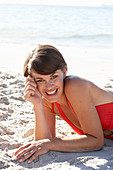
(56, 25)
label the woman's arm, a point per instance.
(44, 123)
(44, 132)
(83, 143)
(80, 97)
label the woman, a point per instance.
(87, 108)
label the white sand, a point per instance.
(17, 117)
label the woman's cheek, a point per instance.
(40, 88)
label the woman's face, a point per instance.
(50, 86)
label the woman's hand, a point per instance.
(32, 150)
(31, 92)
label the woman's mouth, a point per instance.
(50, 93)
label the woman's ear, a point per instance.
(64, 71)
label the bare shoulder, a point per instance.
(79, 89)
(76, 83)
(85, 89)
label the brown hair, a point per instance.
(45, 59)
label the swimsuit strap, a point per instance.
(52, 107)
(70, 105)
(77, 130)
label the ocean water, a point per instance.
(57, 25)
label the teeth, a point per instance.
(53, 92)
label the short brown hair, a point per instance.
(45, 59)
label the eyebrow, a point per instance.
(38, 78)
(52, 74)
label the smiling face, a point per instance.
(50, 86)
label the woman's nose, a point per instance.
(49, 84)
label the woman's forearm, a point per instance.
(83, 143)
(41, 127)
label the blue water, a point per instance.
(58, 25)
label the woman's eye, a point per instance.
(53, 77)
(39, 81)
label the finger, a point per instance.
(29, 78)
(21, 148)
(31, 83)
(38, 153)
(26, 156)
(29, 87)
(23, 152)
(33, 157)
(29, 94)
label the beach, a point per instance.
(84, 35)
(17, 117)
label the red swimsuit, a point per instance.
(105, 112)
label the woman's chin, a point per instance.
(51, 99)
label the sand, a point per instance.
(17, 117)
